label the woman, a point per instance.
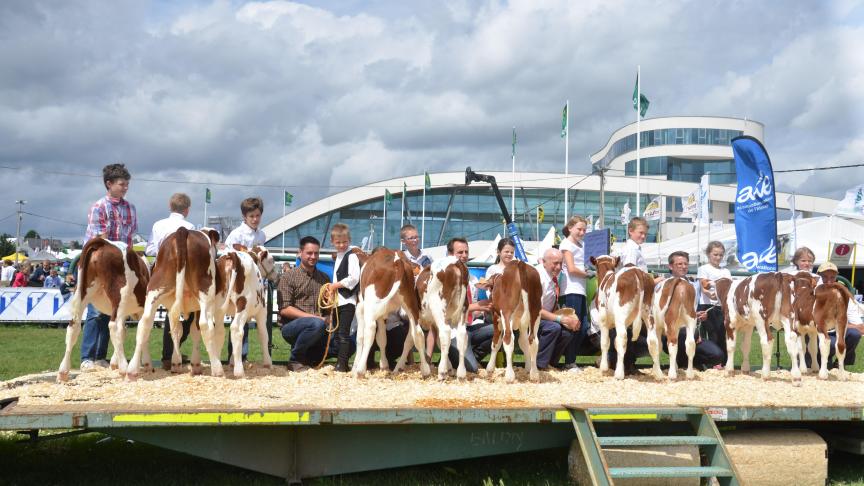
(22, 276)
(573, 290)
(708, 301)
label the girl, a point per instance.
(506, 253)
(708, 301)
(573, 289)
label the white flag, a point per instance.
(625, 213)
(791, 201)
(590, 225)
(690, 205)
(853, 203)
(652, 210)
(704, 197)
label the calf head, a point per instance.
(604, 264)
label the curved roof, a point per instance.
(548, 180)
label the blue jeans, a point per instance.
(553, 340)
(853, 336)
(479, 346)
(578, 304)
(94, 341)
(308, 338)
(707, 353)
(245, 349)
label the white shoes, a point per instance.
(88, 365)
(572, 368)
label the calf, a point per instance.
(674, 306)
(803, 300)
(516, 303)
(242, 293)
(184, 280)
(829, 312)
(386, 286)
(114, 281)
(762, 301)
(623, 298)
(442, 290)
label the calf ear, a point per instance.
(617, 261)
(239, 247)
(593, 261)
(214, 236)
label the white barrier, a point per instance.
(34, 304)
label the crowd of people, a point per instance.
(29, 274)
(563, 336)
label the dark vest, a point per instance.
(342, 272)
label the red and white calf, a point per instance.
(762, 301)
(114, 281)
(516, 304)
(242, 293)
(830, 312)
(623, 299)
(184, 280)
(674, 306)
(386, 286)
(442, 289)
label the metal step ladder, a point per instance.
(654, 426)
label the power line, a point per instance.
(54, 219)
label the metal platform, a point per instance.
(299, 443)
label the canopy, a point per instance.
(21, 257)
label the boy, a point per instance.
(248, 235)
(346, 277)
(410, 238)
(113, 218)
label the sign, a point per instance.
(34, 304)
(755, 206)
(595, 243)
(840, 253)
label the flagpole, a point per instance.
(423, 216)
(384, 221)
(206, 203)
(708, 196)
(537, 220)
(638, 137)
(794, 226)
(513, 181)
(283, 219)
(660, 226)
(566, 163)
(402, 213)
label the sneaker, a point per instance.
(166, 364)
(88, 365)
(295, 366)
(102, 363)
(573, 368)
(569, 366)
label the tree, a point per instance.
(32, 234)
(75, 245)
(7, 247)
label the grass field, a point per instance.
(96, 459)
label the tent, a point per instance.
(21, 257)
(43, 256)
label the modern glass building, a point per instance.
(675, 153)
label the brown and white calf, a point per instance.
(386, 286)
(442, 290)
(762, 301)
(184, 280)
(516, 304)
(803, 285)
(242, 293)
(674, 306)
(623, 299)
(115, 282)
(830, 312)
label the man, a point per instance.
(708, 353)
(555, 331)
(8, 273)
(37, 278)
(304, 328)
(52, 281)
(178, 205)
(479, 331)
(854, 325)
(112, 218)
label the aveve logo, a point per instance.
(756, 192)
(752, 259)
(33, 300)
(6, 299)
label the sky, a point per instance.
(319, 97)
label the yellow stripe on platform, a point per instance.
(562, 415)
(214, 417)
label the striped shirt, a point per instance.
(115, 218)
(299, 288)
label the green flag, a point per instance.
(207, 195)
(564, 123)
(427, 181)
(388, 198)
(514, 141)
(288, 198)
(643, 103)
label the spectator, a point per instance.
(52, 281)
(8, 274)
(346, 280)
(37, 278)
(22, 276)
(68, 284)
(715, 329)
(555, 331)
(574, 281)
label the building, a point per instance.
(675, 152)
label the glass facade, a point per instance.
(470, 212)
(686, 170)
(670, 136)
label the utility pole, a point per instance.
(602, 196)
(20, 203)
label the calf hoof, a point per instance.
(176, 368)
(217, 373)
(509, 376)
(442, 377)
(690, 374)
(113, 366)
(534, 376)
(823, 375)
(131, 376)
(619, 375)
(62, 377)
(195, 369)
(239, 376)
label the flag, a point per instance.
(288, 198)
(690, 205)
(853, 203)
(514, 141)
(704, 186)
(791, 201)
(652, 210)
(597, 223)
(642, 104)
(755, 206)
(540, 214)
(388, 198)
(564, 123)
(427, 181)
(207, 195)
(625, 213)
(590, 225)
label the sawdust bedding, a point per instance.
(279, 389)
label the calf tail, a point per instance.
(182, 260)
(84, 265)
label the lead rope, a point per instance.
(328, 301)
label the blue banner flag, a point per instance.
(755, 206)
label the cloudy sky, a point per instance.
(321, 96)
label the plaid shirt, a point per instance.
(299, 288)
(115, 218)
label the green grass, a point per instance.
(91, 459)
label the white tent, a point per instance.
(814, 233)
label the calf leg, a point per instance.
(173, 319)
(792, 347)
(261, 325)
(142, 336)
(802, 351)
(368, 325)
(407, 347)
(620, 349)
(509, 344)
(381, 340)
(444, 343)
(690, 347)
(812, 348)
(840, 350)
(747, 336)
(72, 332)
(195, 335)
(672, 343)
(236, 351)
(604, 348)
(824, 348)
(765, 343)
(208, 326)
(462, 344)
(654, 348)
(118, 357)
(497, 319)
(730, 351)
